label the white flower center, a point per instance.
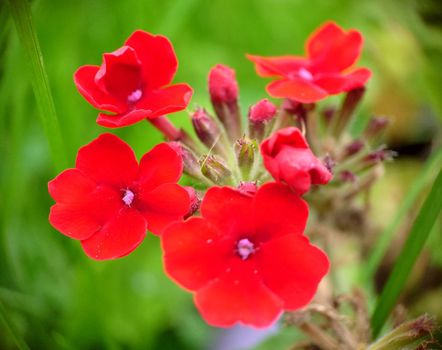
(128, 197)
(135, 96)
(245, 248)
(305, 74)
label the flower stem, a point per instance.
(172, 133)
(21, 13)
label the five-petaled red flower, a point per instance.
(246, 258)
(108, 200)
(326, 69)
(132, 83)
(288, 158)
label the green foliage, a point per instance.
(417, 237)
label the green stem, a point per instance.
(419, 233)
(21, 13)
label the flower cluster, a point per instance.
(236, 239)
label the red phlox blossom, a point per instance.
(325, 70)
(133, 82)
(108, 200)
(288, 158)
(246, 258)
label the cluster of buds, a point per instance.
(228, 153)
(236, 237)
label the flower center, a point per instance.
(244, 248)
(135, 96)
(305, 74)
(128, 197)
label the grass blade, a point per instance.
(419, 233)
(21, 13)
(386, 236)
(21, 345)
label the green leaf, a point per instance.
(419, 233)
(21, 13)
(383, 242)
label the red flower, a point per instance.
(245, 258)
(326, 69)
(132, 82)
(288, 158)
(108, 200)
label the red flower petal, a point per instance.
(118, 237)
(298, 90)
(357, 78)
(80, 218)
(332, 49)
(159, 166)
(278, 211)
(120, 73)
(119, 120)
(292, 268)
(157, 58)
(165, 204)
(238, 296)
(277, 66)
(334, 84)
(194, 254)
(288, 158)
(84, 79)
(289, 136)
(229, 210)
(70, 186)
(108, 160)
(167, 100)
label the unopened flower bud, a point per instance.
(222, 84)
(375, 126)
(190, 162)
(414, 334)
(374, 158)
(245, 153)
(259, 114)
(262, 111)
(380, 155)
(205, 128)
(214, 168)
(347, 176)
(328, 113)
(223, 90)
(248, 188)
(348, 107)
(354, 147)
(195, 201)
(291, 106)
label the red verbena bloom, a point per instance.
(108, 200)
(325, 70)
(246, 258)
(133, 82)
(288, 158)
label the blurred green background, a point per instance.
(51, 294)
